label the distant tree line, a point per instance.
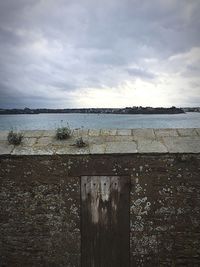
(127, 110)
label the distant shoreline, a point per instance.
(53, 113)
(126, 111)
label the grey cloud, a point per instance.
(141, 73)
(193, 69)
(69, 45)
(195, 84)
(9, 38)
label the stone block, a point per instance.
(108, 132)
(97, 148)
(33, 150)
(80, 132)
(5, 148)
(32, 133)
(121, 147)
(119, 138)
(182, 144)
(44, 141)
(151, 146)
(187, 132)
(97, 139)
(3, 135)
(26, 150)
(28, 141)
(124, 132)
(165, 132)
(143, 133)
(197, 130)
(50, 133)
(94, 132)
(110, 138)
(72, 150)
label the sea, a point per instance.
(98, 121)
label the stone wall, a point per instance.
(40, 201)
(40, 222)
(40, 208)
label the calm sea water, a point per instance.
(96, 121)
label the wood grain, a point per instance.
(105, 221)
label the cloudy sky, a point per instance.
(99, 53)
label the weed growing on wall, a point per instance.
(63, 133)
(14, 138)
(80, 143)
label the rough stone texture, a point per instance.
(80, 132)
(108, 132)
(94, 132)
(119, 147)
(40, 221)
(40, 205)
(164, 206)
(5, 148)
(182, 144)
(124, 132)
(166, 132)
(198, 131)
(3, 135)
(143, 134)
(187, 132)
(97, 148)
(115, 140)
(151, 146)
(40, 194)
(37, 133)
(72, 150)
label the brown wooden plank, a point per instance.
(105, 221)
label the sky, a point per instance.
(99, 53)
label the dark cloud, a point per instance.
(141, 73)
(52, 51)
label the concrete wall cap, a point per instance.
(105, 141)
